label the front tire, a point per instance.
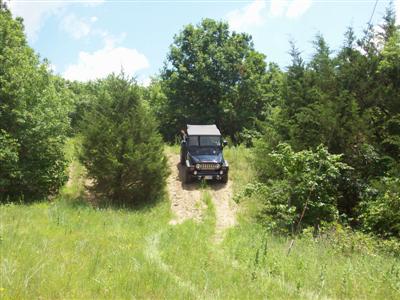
(187, 178)
(224, 178)
(182, 160)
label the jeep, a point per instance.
(201, 154)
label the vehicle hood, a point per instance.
(215, 157)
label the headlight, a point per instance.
(197, 166)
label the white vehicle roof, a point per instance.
(202, 130)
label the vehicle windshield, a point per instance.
(204, 141)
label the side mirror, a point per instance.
(224, 143)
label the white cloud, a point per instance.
(278, 7)
(251, 15)
(76, 27)
(102, 62)
(93, 19)
(298, 7)
(397, 8)
(35, 14)
(111, 40)
(254, 14)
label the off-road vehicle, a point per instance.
(201, 154)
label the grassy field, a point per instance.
(68, 249)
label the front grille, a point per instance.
(209, 166)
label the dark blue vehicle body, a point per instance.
(202, 154)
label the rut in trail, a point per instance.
(186, 202)
(225, 208)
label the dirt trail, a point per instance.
(186, 200)
(225, 208)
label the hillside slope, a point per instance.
(69, 249)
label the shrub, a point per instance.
(275, 213)
(380, 211)
(305, 180)
(122, 150)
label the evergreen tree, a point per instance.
(122, 149)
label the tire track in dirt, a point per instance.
(186, 202)
(185, 199)
(225, 208)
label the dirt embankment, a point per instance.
(186, 200)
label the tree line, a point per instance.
(324, 133)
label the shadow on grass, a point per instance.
(105, 203)
(88, 197)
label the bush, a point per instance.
(275, 213)
(34, 120)
(122, 150)
(300, 180)
(380, 211)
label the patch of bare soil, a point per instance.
(186, 200)
(225, 208)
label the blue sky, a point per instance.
(88, 39)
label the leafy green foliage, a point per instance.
(304, 180)
(348, 102)
(275, 214)
(83, 95)
(380, 212)
(8, 159)
(34, 120)
(122, 150)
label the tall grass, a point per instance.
(69, 249)
(241, 171)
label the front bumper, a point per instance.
(207, 174)
(201, 176)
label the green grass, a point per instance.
(241, 171)
(68, 249)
